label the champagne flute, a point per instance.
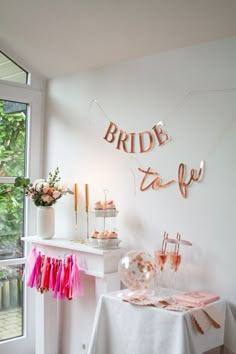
(160, 257)
(174, 259)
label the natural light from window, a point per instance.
(10, 71)
(13, 143)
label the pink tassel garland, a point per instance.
(48, 273)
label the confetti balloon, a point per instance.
(137, 270)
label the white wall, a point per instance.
(192, 90)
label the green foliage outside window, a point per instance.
(12, 142)
(12, 162)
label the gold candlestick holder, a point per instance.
(76, 220)
(76, 195)
(87, 207)
(87, 214)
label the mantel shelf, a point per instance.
(92, 261)
(72, 245)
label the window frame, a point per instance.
(19, 66)
(35, 99)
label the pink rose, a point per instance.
(56, 194)
(46, 198)
(45, 189)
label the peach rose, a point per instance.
(56, 194)
(46, 198)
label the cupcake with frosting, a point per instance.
(110, 205)
(95, 234)
(112, 235)
(98, 205)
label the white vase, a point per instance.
(45, 221)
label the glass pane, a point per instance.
(10, 71)
(11, 222)
(13, 119)
(11, 302)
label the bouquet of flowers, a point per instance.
(44, 192)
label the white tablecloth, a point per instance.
(123, 328)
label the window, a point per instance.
(20, 155)
(13, 142)
(10, 71)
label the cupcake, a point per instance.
(110, 205)
(112, 234)
(94, 234)
(98, 206)
(105, 234)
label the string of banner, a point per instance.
(127, 142)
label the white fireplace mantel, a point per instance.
(102, 264)
(92, 261)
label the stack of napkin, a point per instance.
(195, 302)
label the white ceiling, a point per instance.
(58, 37)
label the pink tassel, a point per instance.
(32, 282)
(58, 279)
(55, 271)
(38, 275)
(43, 272)
(29, 266)
(47, 275)
(68, 278)
(75, 282)
(51, 278)
(62, 282)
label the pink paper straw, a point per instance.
(185, 242)
(172, 240)
(166, 240)
(163, 242)
(178, 238)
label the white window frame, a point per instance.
(35, 99)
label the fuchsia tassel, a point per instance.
(66, 278)
(46, 274)
(54, 275)
(62, 281)
(29, 266)
(44, 266)
(58, 280)
(52, 270)
(32, 282)
(39, 272)
(76, 285)
(69, 277)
